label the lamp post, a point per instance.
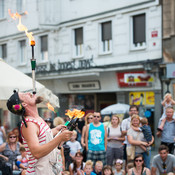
(148, 65)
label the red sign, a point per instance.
(134, 79)
(154, 34)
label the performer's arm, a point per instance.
(57, 129)
(31, 136)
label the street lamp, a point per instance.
(148, 65)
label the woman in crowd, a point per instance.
(136, 138)
(88, 119)
(139, 168)
(2, 134)
(78, 165)
(10, 149)
(115, 141)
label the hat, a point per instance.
(15, 106)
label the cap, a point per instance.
(15, 106)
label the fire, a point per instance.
(22, 27)
(50, 107)
(75, 113)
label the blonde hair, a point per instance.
(74, 132)
(106, 119)
(144, 121)
(117, 117)
(58, 121)
(99, 163)
(86, 118)
(89, 162)
(167, 94)
(22, 149)
(135, 117)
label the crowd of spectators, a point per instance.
(112, 147)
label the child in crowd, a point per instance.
(74, 145)
(118, 167)
(146, 129)
(22, 160)
(88, 170)
(129, 166)
(98, 168)
(107, 170)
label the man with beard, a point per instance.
(37, 136)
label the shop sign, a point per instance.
(154, 34)
(80, 86)
(170, 70)
(141, 98)
(134, 79)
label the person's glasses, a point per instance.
(12, 137)
(96, 116)
(133, 110)
(90, 118)
(138, 160)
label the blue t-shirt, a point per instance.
(92, 173)
(96, 139)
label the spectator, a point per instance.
(126, 125)
(22, 160)
(88, 170)
(136, 139)
(88, 119)
(129, 165)
(96, 140)
(107, 121)
(2, 134)
(168, 133)
(118, 167)
(98, 168)
(49, 121)
(163, 162)
(65, 173)
(115, 141)
(58, 121)
(78, 165)
(139, 168)
(74, 145)
(10, 149)
(107, 170)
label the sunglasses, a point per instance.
(138, 160)
(12, 137)
(96, 116)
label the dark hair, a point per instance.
(134, 106)
(107, 167)
(143, 165)
(163, 147)
(74, 162)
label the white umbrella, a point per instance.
(11, 78)
(118, 108)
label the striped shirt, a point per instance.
(43, 127)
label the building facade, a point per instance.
(90, 53)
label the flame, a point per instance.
(75, 113)
(22, 27)
(50, 107)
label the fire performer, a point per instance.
(37, 136)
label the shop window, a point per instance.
(22, 46)
(2, 7)
(139, 31)
(78, 42)
(3, 51)
(44, 48)
(106, 37)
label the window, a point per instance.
(44, 48)
(22, 52)
(3, 51)
(106, 37)
(78, 34)
(139, 31)
(2, 7)
(19, 5)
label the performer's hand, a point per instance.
(59, 127)
(66, 135)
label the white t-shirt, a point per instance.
(126, 124)
(74, 147)
(72, 166)
(1, 136)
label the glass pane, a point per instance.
(4, 51)
(44, 43)
(79, 36)
(2, 8)
(106, 31)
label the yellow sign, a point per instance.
(141, 98)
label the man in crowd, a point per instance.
(168, 133)
(163, 162)
(96, 140)
(37, 136)
(126, 123)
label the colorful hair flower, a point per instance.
(17, 107)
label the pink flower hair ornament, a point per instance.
(17, 107)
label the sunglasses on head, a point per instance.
(12, 137)
(96, 116)
(138, 160)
